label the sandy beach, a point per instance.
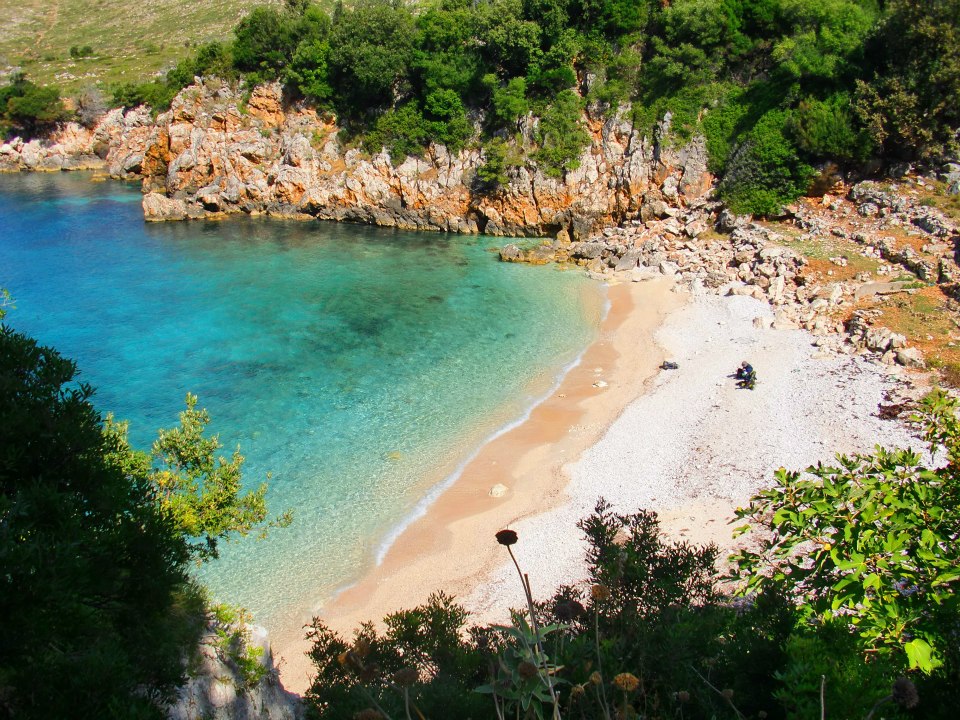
(686, 443)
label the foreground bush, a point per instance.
(871, 542)
(849, 610)
(97, 542)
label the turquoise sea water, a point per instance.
(357, 367)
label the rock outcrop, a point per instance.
(705, 244)
(210, 155)
(219, 688)
(115, 145)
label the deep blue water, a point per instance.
(355, 367)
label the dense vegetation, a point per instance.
(97, 541)
(776, 86)
(847, 609)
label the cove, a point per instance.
(356, 367)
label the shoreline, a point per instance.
(687, 444)
(446, 547)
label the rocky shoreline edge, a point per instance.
(636, 204)
(705, 244)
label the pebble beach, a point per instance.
(686, 443)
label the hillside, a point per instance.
(130, 41)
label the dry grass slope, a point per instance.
(131, 41)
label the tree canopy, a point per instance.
(97, 542)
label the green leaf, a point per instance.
(921, 656)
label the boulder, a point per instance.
(727, 222)
(510, 253)
(910, 357)
(158, 207)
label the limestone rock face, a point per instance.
(213, 154)
(217, 690)
(217, 156)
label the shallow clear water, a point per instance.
(354, 366)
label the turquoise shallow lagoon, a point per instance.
(356, 367)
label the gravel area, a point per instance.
(694, 446)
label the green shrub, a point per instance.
(30, 109)
(829, 657)
(561, 135)
(823, 40)
(371, 48)
(498, 159)
(402, 131)
(446, 55)
(509, 103)
(910, 101)
(209, 59)
(156, 95)
(264, 41)
(94, 589)
(618, 80)
(510, 44)
(77, 51)
(447, 119)
(878, 540)
(425, 664)
(309, 71)
(827, 130)
(765, 171)
(721, 126)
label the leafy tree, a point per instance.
(828, 129)
(553, 16)
(871, 542)
(509, 103)
(94, 589)
(156, 95)
(765, 172)
(403, 131)
(197, 491)
(911, 103)
(78, 51)
(446, 55)
(5, 302)
(497, 161)
(309, 71)
(424, 663)
(554, 71)
(264, 41)
(510, 44)
(210, 59)
(29, 108)
(447, 118)
(371, 47)
(561, 134)
(96, 541)
(823, 38)
(613, 18)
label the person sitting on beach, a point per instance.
(744, 371)
(746, 376)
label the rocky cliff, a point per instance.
(212, 153)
